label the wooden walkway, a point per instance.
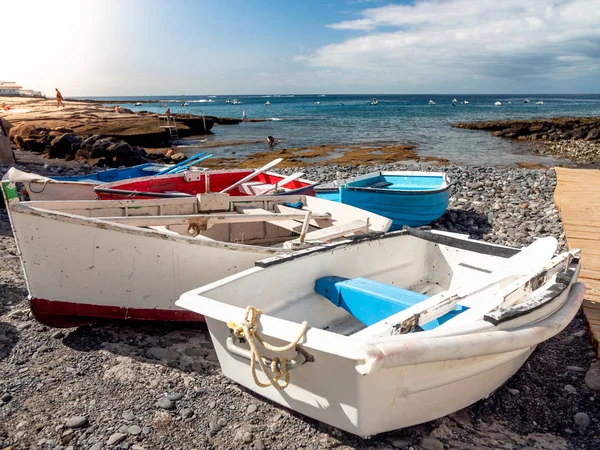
(577, 195)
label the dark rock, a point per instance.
(592, 377)
(67, 143)
(593, 135)
(165, 403)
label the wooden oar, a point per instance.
(283, 182)
(182, 163)
(253, 174)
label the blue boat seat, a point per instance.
(371, 301)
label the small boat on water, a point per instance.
(267, 103)
(465, 102)
(526, 101)
(388, 332)
(374, 102)
(185, 104)
(454, 100)
(497, 104)
(137, 104)
(235, 101)
(190, 183)
(82, 187)
(408, 198)
(431, 102)
(131, 259)
(539, 103)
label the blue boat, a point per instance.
(142, 170)
(408, 198)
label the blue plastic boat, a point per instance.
(408, 198)
(142, 170)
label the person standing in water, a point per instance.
(59, 99)
(270, 141)
(244, 115)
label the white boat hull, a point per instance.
(376, 379)
(80, 268)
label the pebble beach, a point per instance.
(159, 386)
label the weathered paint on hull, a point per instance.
(59, 314)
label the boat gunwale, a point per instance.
(445, 185)
(369, 354)
(111, 185)
(437, 237)
(21, 208)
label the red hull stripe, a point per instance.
(68, 314)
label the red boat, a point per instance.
(235, 182)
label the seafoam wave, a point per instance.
(274, 118)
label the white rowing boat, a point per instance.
(131, 259)
(400, 329)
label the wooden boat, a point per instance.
(82, 187)
(388, 332)
(188, 184)
(131, 259)
(408, 198)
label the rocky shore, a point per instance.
(142, 386)
(576, 139)
(91, 133)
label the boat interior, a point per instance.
(291, 221)
(191, 183)
(407, 282)
(400, 181)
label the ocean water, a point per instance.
(308, 120)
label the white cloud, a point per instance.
(439, 41)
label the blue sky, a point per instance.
(151, 47)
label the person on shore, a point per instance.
(270, 141)
(117, 109)
(168, 112)
(5, 107)
(59, 99)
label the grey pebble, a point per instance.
(124, 429)
(275, 428)
(134, 429)
(214, 426)
(570, 389)
(252, 407)
(258, 444)
(582, 420)
(175, 396)
(128, 415)
(76, 421)
(6, 397)
(514, 391)
(58, 334)
(96, 446)
(429, 443)
(243, 436)
(222, 422)
(115, 438)
(186, 413)
(165, 403)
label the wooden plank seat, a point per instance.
(371, 301)
(294, 225)
(329, 234)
